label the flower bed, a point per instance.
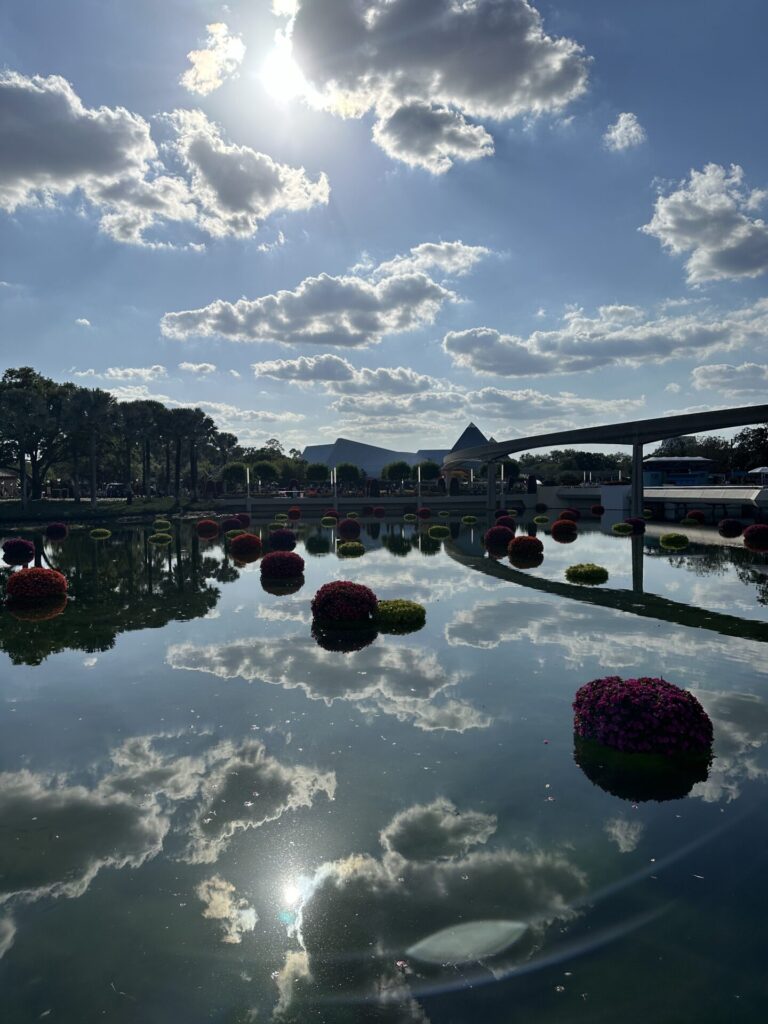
(424, 513)
(509, 521)
(623, 529)
(350, 549)
(498, 539)
(597, 510)
(729, 528)
(586, 573)
(349, 529)
(246, 547)
(642, 716)
(159, 538)
(161, 525)
(207, 529)
(342, 602)
(564, 531)
(469, 520)
(56, 531)
(18, 551)
(100, 534)
(282, 540)
(637, 523)
(282, 565)
(673, 541)
(400, 616)
(31, 585)
(243, 518)
(439, 532)
(756, 537)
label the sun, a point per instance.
(280, 75)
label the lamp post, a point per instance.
(418, 478)
(248, 489)
(333, 481)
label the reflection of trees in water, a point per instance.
(717, 560)
(116, 586)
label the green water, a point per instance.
(205, 816)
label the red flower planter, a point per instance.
(509, 521)
(597, 510)
(230, 523)
(282, 540)
(18, 551)
(246, 547)
(30, 585)
(423, 513)
(208, 529)
(498, 538)
(729, 528)
(282, 565)
(564, 531)
(756, 537)
(56, 531)
(343, 602)
(349, 529)
(243, 518)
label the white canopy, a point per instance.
(763, 470)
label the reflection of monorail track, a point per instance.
(636, 602)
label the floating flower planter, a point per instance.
(697, 515)
(294, 512)
(317, 545)
(231, 534)
(541, 506)
(40, 611)
(343, 603)
(282, 587)
(756, 537)
(379, 512)
(243, 518)
(282, 540)
(564, 531)
(570, 513)
(246, 547)
(647, 513)
(207, 529)
(411, 517)
(498, 539)
(439, 532)
(639, 777)
(637, 523)
(282, 565)
(673, 541)
(525, 547)
(161, 525)
(350, 549)
(400, 616)
(18, 551)
(444, 513)
(230, 523)
(30, 585)
(100, 534)
(399, 546)
(349, 529)
(367, 511)
(587, 573)
(330, 513)
(328, 521)
(509, 521)
(729, 528)
(623, 529)
(424, 513)
(160, 538)
(541, 520)
(687, 521)
(597, 510)
(343, 641)
(469, 520)
(56, 531)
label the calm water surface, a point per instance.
(206, 816)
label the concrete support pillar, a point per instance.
(490, 501)
(638, 546)
(636, 506)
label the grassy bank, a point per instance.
(49, 510)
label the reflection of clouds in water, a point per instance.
(287, 611)
(428, 832)
(396, 680)
(7, 934)
(626, 834)
(361, 913)
(57, 836)
(221, 904)
(741, 732)
(615, 640)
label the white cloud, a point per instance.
(708, 216)
(145, 373)
(730, 379)
(306, 369)
(222, 56)
(454, 259)
(436, 830)
(673, 388)
(616, 336)
(82, 322)
(425, 73)
(626, 834)
(625, 133)
(7, 934)
(201, 368)
(341, 377)
(221, 904)
(53, 146)
(236, 187)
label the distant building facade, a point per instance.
(677, 471)
(372, 459)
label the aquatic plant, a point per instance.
(424, 513)
(246, 547)
(18, 551)
(282, 565)
(341, 602)
(597, 510)
(350, 549)
(673, 541)
(207, 529)
(729, 528)
(282, 540)
(159, 538)
(56, 531)
(586, 573)
(400, 616)
(623, 529)
(756, 537)
(498, 538)
(29, 585)
(643, 715)
(439, 532)
(349, 529)
(100, 533)
(564, 531)
(469, 520)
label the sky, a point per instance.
(380, 219)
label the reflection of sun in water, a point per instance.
(280, 75)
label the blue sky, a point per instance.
(393, 217)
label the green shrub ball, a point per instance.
(353, 515)
(100, 534)
(439, 532)
(328, 521)
(410, 517)
(160, 538)
(622, 529)
(673, 541)
(469, 520)
(400, 616)
(444, 513)
(587, 573)
(161, 525)
(350, 549)
(541, 520)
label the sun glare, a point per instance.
(280, 75)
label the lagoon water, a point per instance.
(206, 816)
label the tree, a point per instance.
(429, 470)
(30, 423)
(396, 471)
(97, 411)
(264, 471)
(234, 474)
(317, 473)
(347, 473)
